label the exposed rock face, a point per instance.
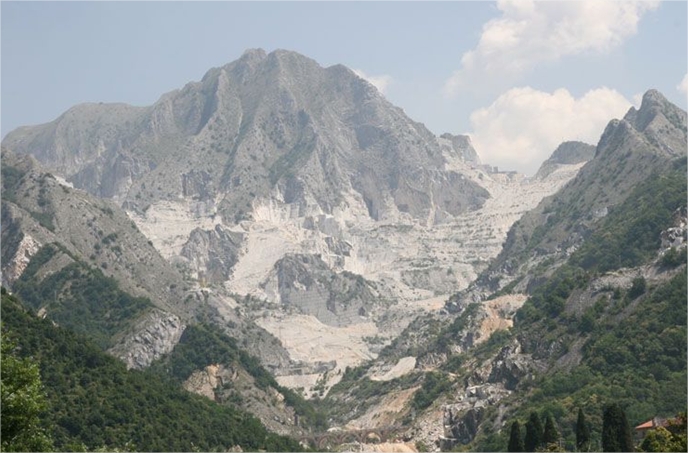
(510, 367)
(263, 122)
(461, 144)
(153, 337)
(487, 386)
(222, 383)
(13, 268)
(212, 253)
(568, 153)
(662, 123)
(273, 156)
(461, 428)
(676, 235)
(307, 283)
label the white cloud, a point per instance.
(381, 82)
(524, 126)
(528, 33)
(683, 86)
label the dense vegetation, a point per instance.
(94, 402)
(634, 354)
(23, 402)
(79, 297)
(630, 234)
(433, 386)
(629, 346)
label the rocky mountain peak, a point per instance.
(254, 55)
(653, 98)
(660, 121)
(573, 152)
(464, 147)
(567, 153)
(264, 126)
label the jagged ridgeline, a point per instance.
(599, 273)
(280, 196)
(274, 187)
(264, 124)
(642, 145)
(95, 402)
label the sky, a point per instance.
(518, 76)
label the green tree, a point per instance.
(669, 438)
(22, 400)
(515, 439)
(550, 435)
(582, 432)
(534, 432)
(638, 287)
(616, 432)
(661, 439)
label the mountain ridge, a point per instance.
(303, 214)
(281, 109)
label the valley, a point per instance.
(282, 240)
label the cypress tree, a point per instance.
(582, 432)
(550, 435)
(515, 440)
(533, 437)
(616, 432)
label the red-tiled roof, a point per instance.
(652, 423)
(647, 425)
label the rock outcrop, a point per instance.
(568, 153)
(306, 283)
(152, 337)
(212, 253)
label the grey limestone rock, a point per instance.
(306, 283)
(213, 253)
(567, 153)
(154, 336)
(264, 122)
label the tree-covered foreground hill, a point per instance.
(94, 402)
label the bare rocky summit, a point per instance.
(568, 153)
(275, 125)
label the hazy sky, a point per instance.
(518, 76)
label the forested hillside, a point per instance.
(94, 402)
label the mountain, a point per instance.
(273, 166)
(461, 145)
(276, 125)
(643, 143)
(94, 402)
(80, 262)
(53, 234)
(289, 210)
(574, 312)
(568, 153)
